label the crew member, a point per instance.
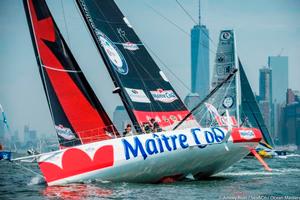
(128, 131)
(155, 126)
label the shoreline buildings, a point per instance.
(289, 123)
(273, 103)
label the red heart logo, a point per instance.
(76, 161)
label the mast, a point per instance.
(237, 82)
(199, 17)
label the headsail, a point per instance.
(143, 87)
(250, 112)
(4, 120)
(77, 114)
(226, 61)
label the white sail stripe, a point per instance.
(138, 44)
(61, 70)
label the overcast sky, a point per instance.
(263, 28)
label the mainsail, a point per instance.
(144, 89)
(78, 116)
(250, 112)
(225, 63)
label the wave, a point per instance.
(37, 180)
(293, 155)
(246, 173)
(260, 173)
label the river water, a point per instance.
(244, 180)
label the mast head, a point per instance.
(199, 17)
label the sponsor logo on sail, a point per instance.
(115, 56)
(221, 58)
(247, 134)
(64, 132)
(228, 102)
(130, 46)
(225, 35)
(137, 95)
(165, 96)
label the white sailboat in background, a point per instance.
(90, 146)
(5, 154)
(236, 96)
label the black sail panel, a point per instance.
(250, 110)
(78, 116)
(144, 89)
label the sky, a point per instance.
(263, 28)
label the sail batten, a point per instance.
(144, 89)
(78, 116)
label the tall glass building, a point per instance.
(279, 66)
(265, 96)
(200, 60)
(265, 84)
(280, 69)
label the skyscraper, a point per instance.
(265, 84)
(265, 95)
(120, 118)
(279, 66)
(200, 58)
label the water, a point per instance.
(244, 180)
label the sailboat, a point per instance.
(237, 96)
(5, 154)
(90, 146)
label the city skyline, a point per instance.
(21, 90)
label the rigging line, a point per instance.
(28, 169)
(165, 65)
(61, 70)
(171, 22)
(65, 21)
(190, 16)
(177, 26)
(186, 12)
(207, 97)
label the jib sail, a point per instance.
(78, 116)
(250, 112)
(144, 89)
